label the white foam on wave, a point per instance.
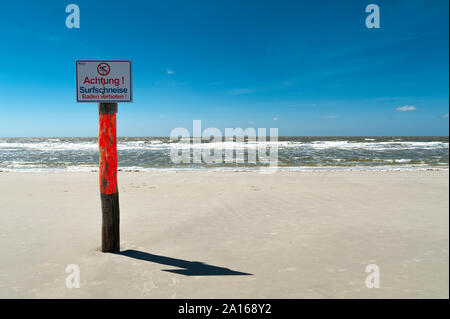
(58, 145)
(370, 145)
(87, 168)
(49, 146)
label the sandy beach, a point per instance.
(205, 234)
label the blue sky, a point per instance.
(305, 67)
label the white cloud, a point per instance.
(406, 108)
(170, 71)
(275, 118)
(445, 116)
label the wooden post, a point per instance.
(109, 193)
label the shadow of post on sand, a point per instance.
(189, 268)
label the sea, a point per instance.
(294, 153)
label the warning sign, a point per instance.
(104, 81)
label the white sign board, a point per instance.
(104, 81)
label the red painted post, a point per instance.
(107, 142)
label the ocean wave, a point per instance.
(154, 153)
(370, 145)
(37, 169)
(160, 145)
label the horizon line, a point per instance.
(167, 136)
